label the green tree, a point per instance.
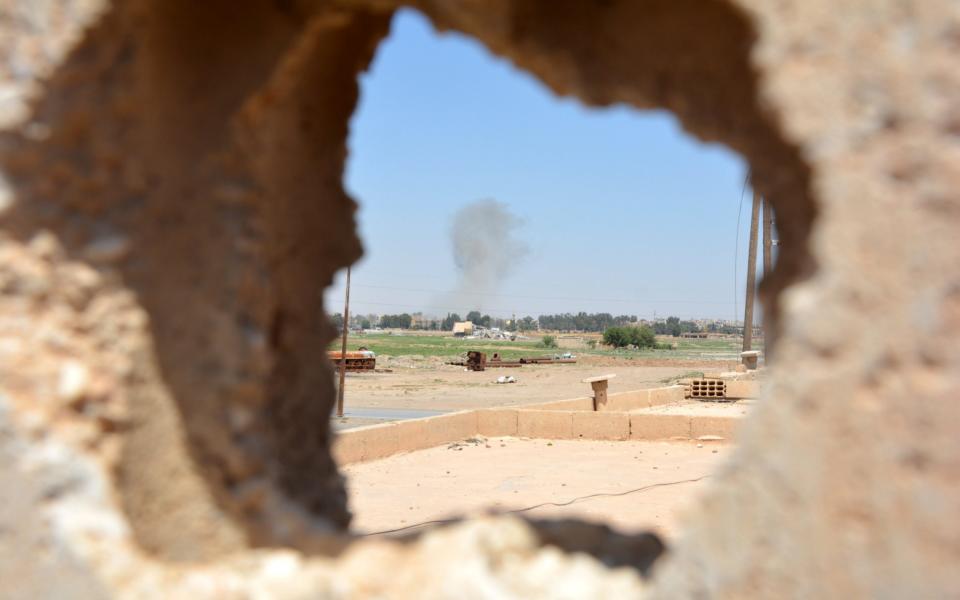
(548, 341)
(447, 324)
(616, 337)
(401, 321)
(624, 337)
(642, 337)
(475, 317)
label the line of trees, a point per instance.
(724, 329)
(674, 326)
(584, 321)
(527, 323)
(581, 321)
(401, 321)
(476, 318)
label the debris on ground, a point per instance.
(506, 379)
(477, 361)
(471, 441)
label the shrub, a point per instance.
(623, 337)
(548, 341)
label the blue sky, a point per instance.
(622, 211)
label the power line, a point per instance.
(542, 504)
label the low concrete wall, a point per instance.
(659, 427)
(667, 395)
(627, 401)
(601, 426)
(564, 419)
(497, 422)
(546, 424)
(372, 442)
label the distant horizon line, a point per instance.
(519, 316)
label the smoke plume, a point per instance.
(485, 250)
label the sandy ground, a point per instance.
(511, 473)
(434, 387)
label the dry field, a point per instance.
(427, 386)
(413, 380)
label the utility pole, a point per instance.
(767, 237)
(343, 346)
(751, 275)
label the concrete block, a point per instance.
(666, 395)
(450, 427)
(627, 401)
(714, 389)
(724, 427)
(601, 425)
(658, 427)
(496, 422)
(546, 424)
(744, 388)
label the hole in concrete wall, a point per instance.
(428, 183)
(194, 164)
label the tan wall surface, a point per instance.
(601, 425)
(627, 401)
(497, 422)
(546, 424)
(667, 395)
(659, 427)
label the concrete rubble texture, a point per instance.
(171, 206)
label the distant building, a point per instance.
(462, 329)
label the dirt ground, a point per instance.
(510, 473)
(427, 386)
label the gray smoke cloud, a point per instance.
(486, 250)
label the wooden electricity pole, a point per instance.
(767, 237)
(343, 346)
(751, 275)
